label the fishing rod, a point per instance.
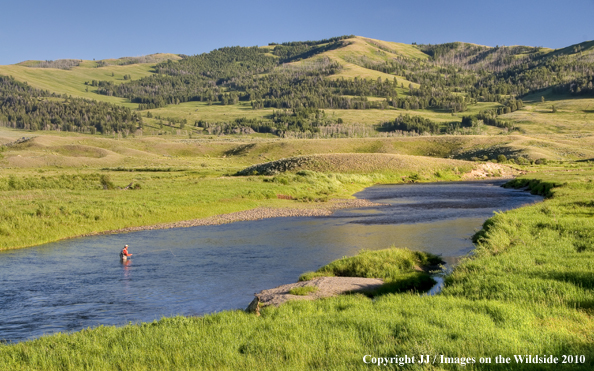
(136, 253)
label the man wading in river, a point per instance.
(125, 254)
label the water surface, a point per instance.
(79, 283)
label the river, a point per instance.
(79, 283)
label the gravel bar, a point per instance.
(253, 214)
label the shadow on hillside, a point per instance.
(551, 97)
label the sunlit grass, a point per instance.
(526, 290)
(303, 290)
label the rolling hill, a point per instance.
(322, 85)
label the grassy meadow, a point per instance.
(526, 290)
(72, 82)
(193, 111)
(572, 116)
(52, 186)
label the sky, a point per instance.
(58, 29)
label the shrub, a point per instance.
(106, 182)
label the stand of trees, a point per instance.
(410, 123)
(294, 51)
(23, 107)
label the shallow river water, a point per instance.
(79, 283)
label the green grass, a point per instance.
(385, 264)
(574, 114)
(72, 82)
(526, 290)
(303, 290)
(366, 163)
(39, 208)
(401, 270)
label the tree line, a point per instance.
(23, 107)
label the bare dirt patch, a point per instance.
(491, 170)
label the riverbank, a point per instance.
(259, 213)
(527, 289)
(47, 205)
(372, 273)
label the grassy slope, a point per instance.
(586, 47)
(574, 114)
(72, 82)
(233, 152)
(527, 290)
(366, 163)
(363, 47)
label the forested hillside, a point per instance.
(301, 79)
(23, 107)
(456, 75)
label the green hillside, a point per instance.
(321, 85)
(72, 82)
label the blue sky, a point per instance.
(44, 30)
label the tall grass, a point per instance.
(386, 264)
(401, 269)
(527, 289)
(39, 209)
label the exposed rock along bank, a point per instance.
(326, 287)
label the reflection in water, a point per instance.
(74, 284)
(126, 265)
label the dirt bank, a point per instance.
(491, 170)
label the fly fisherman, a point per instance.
(125, 254)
